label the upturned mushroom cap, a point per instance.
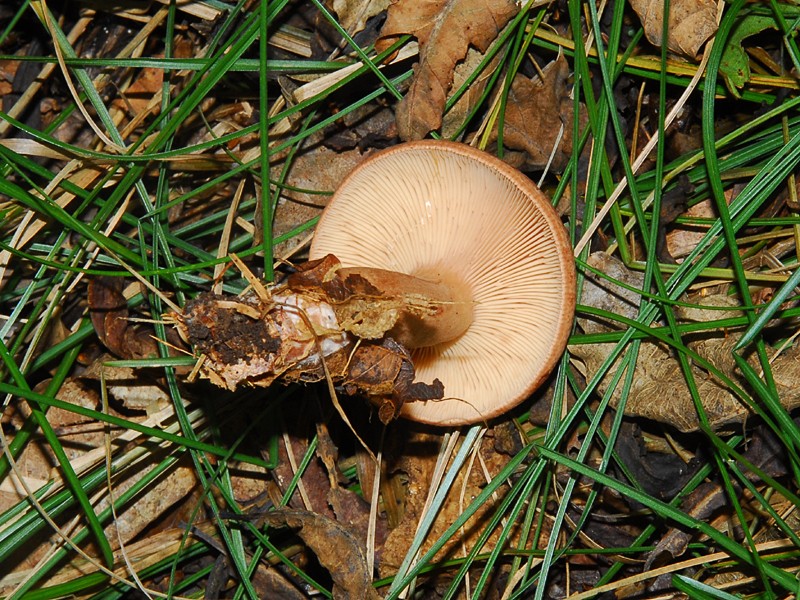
(449, 213)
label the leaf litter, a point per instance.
(335, 526)
(659, 373)
(445, 30)
(691, 23)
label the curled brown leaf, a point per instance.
(538, 117)
(336, 548)
(691, 23)
(445, 30)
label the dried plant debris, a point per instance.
(454, 119)
(658, 374)
(691, 23)
(413, 456)
(109, 313)
(334, 546)
(135, 389)
(319, 324)
(538, 118)
(445, 30)
(766, 453)
(321, 166)
(354, 14)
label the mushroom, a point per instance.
(461, 228)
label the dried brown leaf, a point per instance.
(700, 504)
(314, 167)
(375, 368)
(385, 374)
(350, 508)
(76, 432)
(683, 238)
(109, 313)
(314, 481)
(140, 93)
(691, 23)
(336, 548)
(353, 14)
(658, 374)
(163, 498)
(445, 29)
(538, 117)
(416, 458)
(132, 387)
(270, 582)
(454, 118)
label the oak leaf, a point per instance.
(691, 23)
(445, 29)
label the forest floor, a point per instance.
(659, 459)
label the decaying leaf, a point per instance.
(691, 23)
(700, 504)
(764, 451)
(270, 582)
(538, 117)
(387, 372)
(659, 391)
(353, 14)
(415, 458)
(313, 167)
(163, 497)
(336, 549)
(109, 314)
(108, 311)
(683, 238)
(455, 117)
(134, 388)
(141, 92)
(320, 323)
(364, 129)
(445, 29)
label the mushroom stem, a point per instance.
(438, 306)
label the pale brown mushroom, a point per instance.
(488, 238)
